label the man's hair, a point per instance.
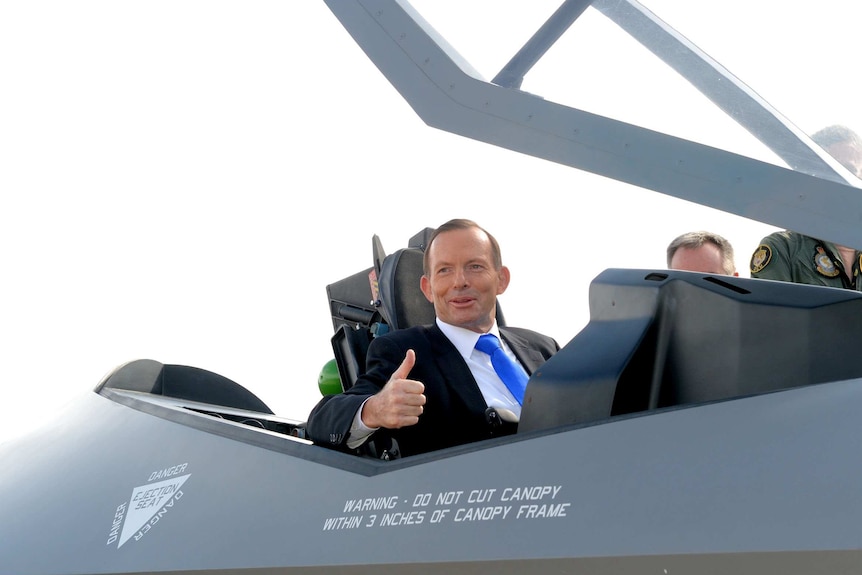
(463, 224)
(837, 134)
(694, 240)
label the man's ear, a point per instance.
(425, 286)
(504, 280)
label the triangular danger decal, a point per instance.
(148, 504)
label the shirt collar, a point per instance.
(464, 339)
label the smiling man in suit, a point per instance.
(429, 387)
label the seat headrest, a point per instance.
(402, 303)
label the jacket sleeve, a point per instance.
(330, 420)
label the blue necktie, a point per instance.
(512, 374)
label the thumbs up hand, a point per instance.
(400, 402)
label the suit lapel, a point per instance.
(530, 358)
(454, 371)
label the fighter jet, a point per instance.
(697, 424)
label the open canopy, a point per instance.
(651, 109)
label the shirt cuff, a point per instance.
(359, 432)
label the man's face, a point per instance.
(704, 259)
(462, 282)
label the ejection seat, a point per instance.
(375, 301)
(371, 303)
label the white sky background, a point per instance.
(181, 180)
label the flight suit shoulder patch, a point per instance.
(760, 258)
(824, 264)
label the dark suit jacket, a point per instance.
(454, 410)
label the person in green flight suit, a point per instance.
(793, 257)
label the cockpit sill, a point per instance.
(284, 435)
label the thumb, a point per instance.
(404, 369)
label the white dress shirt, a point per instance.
(493, 389)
